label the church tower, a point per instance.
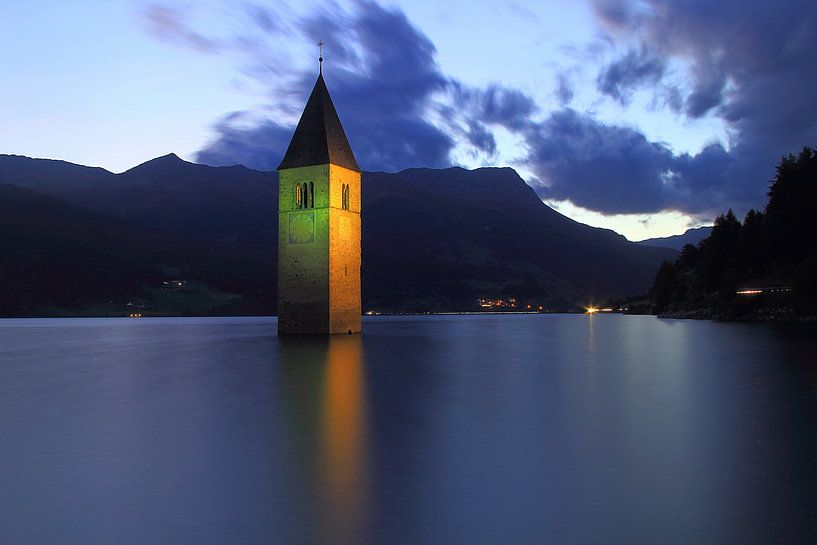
(319, 225)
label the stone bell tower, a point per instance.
(319, 225)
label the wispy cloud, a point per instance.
(167, 23)
(752, 68)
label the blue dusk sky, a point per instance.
(644, 116)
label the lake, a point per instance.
(485, 429)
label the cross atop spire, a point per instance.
(320, 58)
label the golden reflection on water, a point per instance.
(343, 463)
(591, 337)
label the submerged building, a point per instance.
(319, 203)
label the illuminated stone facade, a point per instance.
(319, 226)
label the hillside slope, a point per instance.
(432, 239)
(57, 256)
(677, 242)
(455, 233)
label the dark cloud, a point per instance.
(601, 167)
(564, 91)
(750, 65)
(634, 69)
(752, 62)
(616, 170)
(482, 109)
(251, 146)
(481, 138)
(712, 181)
(382, 94)
(503, 106)
(617, 14)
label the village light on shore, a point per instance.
(758, 291)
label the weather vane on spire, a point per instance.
(320, 59)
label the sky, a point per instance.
(643, 116)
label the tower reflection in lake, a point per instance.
(326, 395)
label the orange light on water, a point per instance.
(343, 459)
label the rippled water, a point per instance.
(425, 430)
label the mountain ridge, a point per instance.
(433, 239)
(677, 242)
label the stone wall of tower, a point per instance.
(319, 268)
(344, 252)
(303, 261)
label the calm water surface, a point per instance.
(426, 430)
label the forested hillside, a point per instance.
(770, 257)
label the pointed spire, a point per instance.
(319, 138)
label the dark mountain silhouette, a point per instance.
(456, 234)
(56, 255)
(432, 239)
(57, 178)
(226, 203)
(677, 242)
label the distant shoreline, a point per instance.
(719, 315)
(699, 314)
(448, 313)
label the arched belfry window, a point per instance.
(311, 195)
(298, 196)
(305, 195)
(344, 196)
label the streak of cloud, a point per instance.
(750, 66)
